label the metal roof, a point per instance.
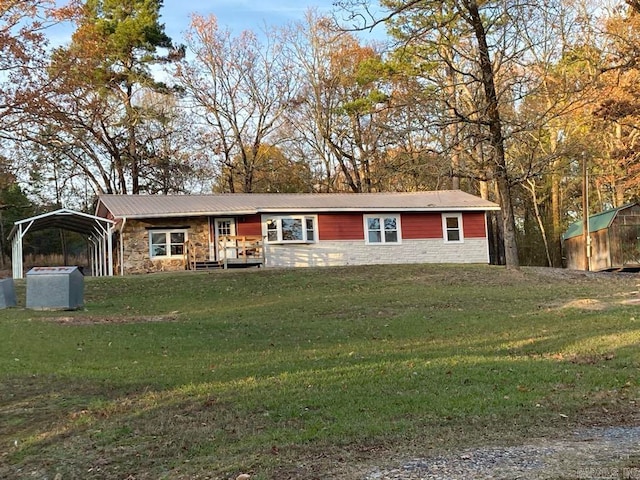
(64, 218)
(597, 222)
(98, 230)
(158, 206)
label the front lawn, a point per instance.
(310, 373)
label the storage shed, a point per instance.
(615, 240)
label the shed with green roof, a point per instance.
(615, 240)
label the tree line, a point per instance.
(506, 99)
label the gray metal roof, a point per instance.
(157, 206)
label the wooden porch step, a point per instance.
(207, 265)
(214, 265)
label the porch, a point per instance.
(233, 251)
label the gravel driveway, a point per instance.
(590, 454)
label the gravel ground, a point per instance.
(591, 454)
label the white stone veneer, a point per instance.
(335, 253)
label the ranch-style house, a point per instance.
(154, 233)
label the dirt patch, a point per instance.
(593, 304)
(586, 304)
(114, 319)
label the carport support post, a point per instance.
(16, 251)
(104, 254)
(94, 257)
(98, 263)
(16, 254)
(110, 251)
(101, 254)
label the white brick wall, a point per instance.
(334, 253)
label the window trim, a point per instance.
(305, 231)
(167, 232)
(445, 229)
(381, 217)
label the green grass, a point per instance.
(309, 373)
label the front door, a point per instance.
(224, 247)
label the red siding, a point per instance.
(350, 226)
(473, 225)
(249, 225)
(421, 225)
(344, 226)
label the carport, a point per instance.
(98, 231)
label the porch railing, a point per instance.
(190, 255)
(243, 249)
(232, 249)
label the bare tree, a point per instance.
(477, 58)
(241, 87)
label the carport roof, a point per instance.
(65, 219)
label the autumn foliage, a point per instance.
(502, 99)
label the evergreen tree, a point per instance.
(110, 58)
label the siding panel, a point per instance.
(473, 224)
(340, 227)
(249, 225)
(421, 225)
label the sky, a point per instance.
(236, 15)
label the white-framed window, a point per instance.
(167, 243)
(382, 229)
(452, 228)
(291, 229)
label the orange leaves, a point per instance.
(70, 11)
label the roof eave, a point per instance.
(141, 216)
(281, 210)
(375, 209)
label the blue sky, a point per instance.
(237, 15)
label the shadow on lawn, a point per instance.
(70, 427)
(430, 389)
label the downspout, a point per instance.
(110, 251)
(124, 221)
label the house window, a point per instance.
(291, 229)
(382, 229)
(167, 243)
(452, 228)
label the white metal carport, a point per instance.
(99, 232)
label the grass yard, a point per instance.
(310, 373)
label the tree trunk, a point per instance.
(536, 210)
(556, 216)
(556, 213)
(132, 147)
(508, 223)
(454, 127)
(492, 115)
